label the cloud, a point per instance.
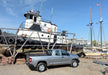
(8, 8)
(11, 5)
(31, 2)
(4, 3)
(10, 11)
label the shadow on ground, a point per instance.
(51, 67)
(61, 66)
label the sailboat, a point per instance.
(95, 50)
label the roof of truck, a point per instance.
(53, 49)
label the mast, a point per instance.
(101, 26)
(91, 28)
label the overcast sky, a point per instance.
(69, 15)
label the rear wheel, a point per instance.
(41, 67)
(74, 63)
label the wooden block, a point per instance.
(4, 60)
(0, 59)
(21, 60)
(106, 73)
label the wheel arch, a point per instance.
(42, 62)
(76, 60)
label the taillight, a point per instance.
(30, 60)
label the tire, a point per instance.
(20, 40)
(82, 54)
(1, 39)
(11, 40)
(41, 67)
(33, 47)
(74, 63)
(4, 42)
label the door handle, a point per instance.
(62, 57)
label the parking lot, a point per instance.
(86, 67)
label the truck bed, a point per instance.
(39, 54)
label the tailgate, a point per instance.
(27, 58)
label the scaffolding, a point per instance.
(49, 46)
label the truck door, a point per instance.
(56, 58)
(65, 57)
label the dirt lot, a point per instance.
(86, 67)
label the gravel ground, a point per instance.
(86, 67)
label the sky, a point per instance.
(70, 15)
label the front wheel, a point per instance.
(41, 67)
(74, 63)
(11, 40)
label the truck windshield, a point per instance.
(49, 52)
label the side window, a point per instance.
(31, 16)
(57, 53)
(0, 32)
(34, 19)
(55, 29)
(27, 17)
(49, 52)
(44, 24)
(64, 53)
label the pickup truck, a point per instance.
(52, 57)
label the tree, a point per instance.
(95, 43)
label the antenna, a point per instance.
(40, 8)
(100, 10)
(90, 16)
(51, 15)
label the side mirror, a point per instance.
(68, 54)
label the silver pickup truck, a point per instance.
(52, 58)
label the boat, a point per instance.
(91, 50)
(38, 32)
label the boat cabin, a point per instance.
(34, 22)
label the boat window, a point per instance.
(31, 16)
(44, 24)
(42, 35)
(55, 29)
(27, 17)
(34, 19)
(0, 32)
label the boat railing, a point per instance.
(22, 25)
